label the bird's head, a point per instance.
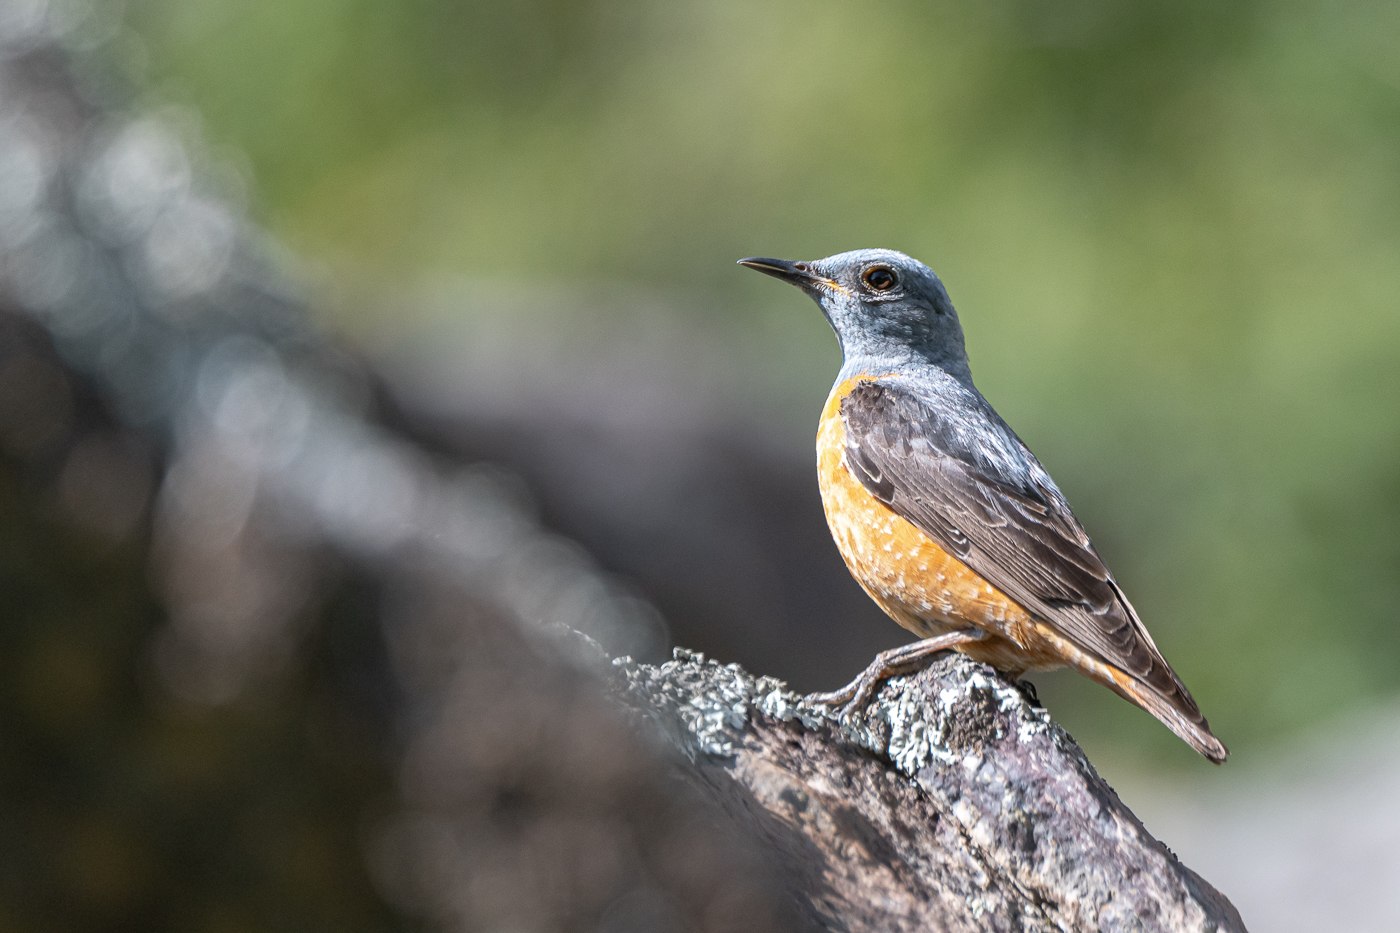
(886, 308)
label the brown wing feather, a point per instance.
(1015, 529)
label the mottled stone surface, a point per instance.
(951, 803)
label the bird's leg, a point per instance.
(856, 694)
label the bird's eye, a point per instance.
(879, 278)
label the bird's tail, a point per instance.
(1183, 719)
(1173, 706)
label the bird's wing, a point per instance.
(986, 500)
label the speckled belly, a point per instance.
(907, 573)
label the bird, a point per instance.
(944, 516)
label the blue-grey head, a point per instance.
(888, 310)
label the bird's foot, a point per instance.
(856, 695)
(853, 697)
(1028, 691)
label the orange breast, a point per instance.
(921, 586)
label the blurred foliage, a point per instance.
(1171, 229)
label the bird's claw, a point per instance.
(1029, 692)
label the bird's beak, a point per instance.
(794, 273)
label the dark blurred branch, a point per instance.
(165, 394)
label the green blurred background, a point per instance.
(1173, 232)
